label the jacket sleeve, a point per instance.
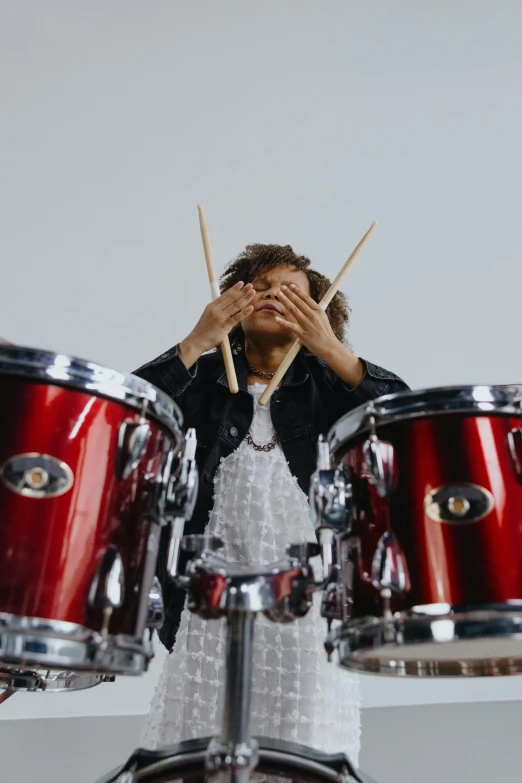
(376, 382)
(168, 373)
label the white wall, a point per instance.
(293, 122)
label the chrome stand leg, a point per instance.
(234, 755)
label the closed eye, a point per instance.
(267, 288)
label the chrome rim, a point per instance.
(53, 645)
(32, 680)
(271, 762)
(480, 642)
(477, 400)
(62, 370)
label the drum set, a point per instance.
(416, 501)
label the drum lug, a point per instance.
(515, 449)
(331, 603)
(379, 456)
(331, 492)
(132, 443)
(389, 567)
(108, 586)
(155, 607)
(182, 484)
(177, 527)
(303, 552)
(336, 603)
(198, 546)
(202, 545)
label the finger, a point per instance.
(295, 309)
(241, 315)
(297, 300)
(312, 304)
(295, 328)
(240, 302)
(286, 312)
(233, 294)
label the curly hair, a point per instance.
(257, 259)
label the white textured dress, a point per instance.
(297, 695)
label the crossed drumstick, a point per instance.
(296, 347)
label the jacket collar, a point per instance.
(295, 376)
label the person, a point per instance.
(255, 465)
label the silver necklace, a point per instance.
(266, 447)
(266, 375)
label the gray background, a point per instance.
(294, 122)
(461, 743)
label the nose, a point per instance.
(272, 293)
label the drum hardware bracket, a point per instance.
(389, 566)
(515, 449)
(108, 588)
(182, 484)
(240, 595)
(181, 491)
(155, 606)
(335, 603)
(379, 456)
(331, 492)
(133, 438)
(176, 536)
(386, 603)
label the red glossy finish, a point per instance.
(473, 563)
(208, 591)
(50, 547)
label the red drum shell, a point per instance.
(463, 604)
(468, 563)
(51, 547)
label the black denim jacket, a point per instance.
(310, 400)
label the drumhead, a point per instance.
(92, 378)
(506, 400)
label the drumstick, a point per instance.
(325, 301)
(215, 292)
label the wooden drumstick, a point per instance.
(215, 292)
(325, 301)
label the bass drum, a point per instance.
(277, 758)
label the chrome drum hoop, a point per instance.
(33, 642)
(478, 641)
(276, 758)
(85, 376)
(36, 680)
(392, 408)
